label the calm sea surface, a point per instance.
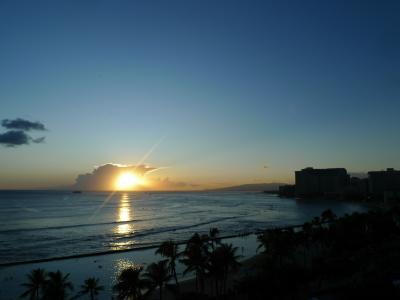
(44, 224)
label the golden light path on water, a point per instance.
(125, 213)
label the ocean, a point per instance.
(46, 224)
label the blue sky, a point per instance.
(228, 86)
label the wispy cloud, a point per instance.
(168, 184)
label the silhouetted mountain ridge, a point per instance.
(250, 187)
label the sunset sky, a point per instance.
(208, 93)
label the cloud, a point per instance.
(167, 184)
(14, 138)
(21, 124)
(16, 135)
(38, 140)
(103, 177)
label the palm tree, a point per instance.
(129, 284)
(328, 216)
(213, 236)
(57, 286)
(229, 259)
(35, 284)
(306, 238)
(169, 249)
(196, 259)
(158, 274)
(215, 269)
(91, 286)
(222, 260)
(199, 241)
(277, 243)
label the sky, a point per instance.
(209, 93)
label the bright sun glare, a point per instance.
(128, 181)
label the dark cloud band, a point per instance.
(14, 138)
(16, 134)
(21, 124)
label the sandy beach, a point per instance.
(105, 267)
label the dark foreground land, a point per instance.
(353, 257)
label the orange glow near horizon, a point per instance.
(128, 181)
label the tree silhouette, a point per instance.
(196, 258)
(158, 274)
(169, 249)
(213, 237)
(216, 270)
(230, 260)
(306, 239)
(91, 286)
(35, 285)
(57, 286)
(278, 243)
(130, 285)
(328, 216)
(222, 260)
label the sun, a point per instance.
(128, 181)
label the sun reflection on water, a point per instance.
(124, 214)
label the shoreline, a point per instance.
(109, 252)
(110, 263)
(143, 247)
(104, 267)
